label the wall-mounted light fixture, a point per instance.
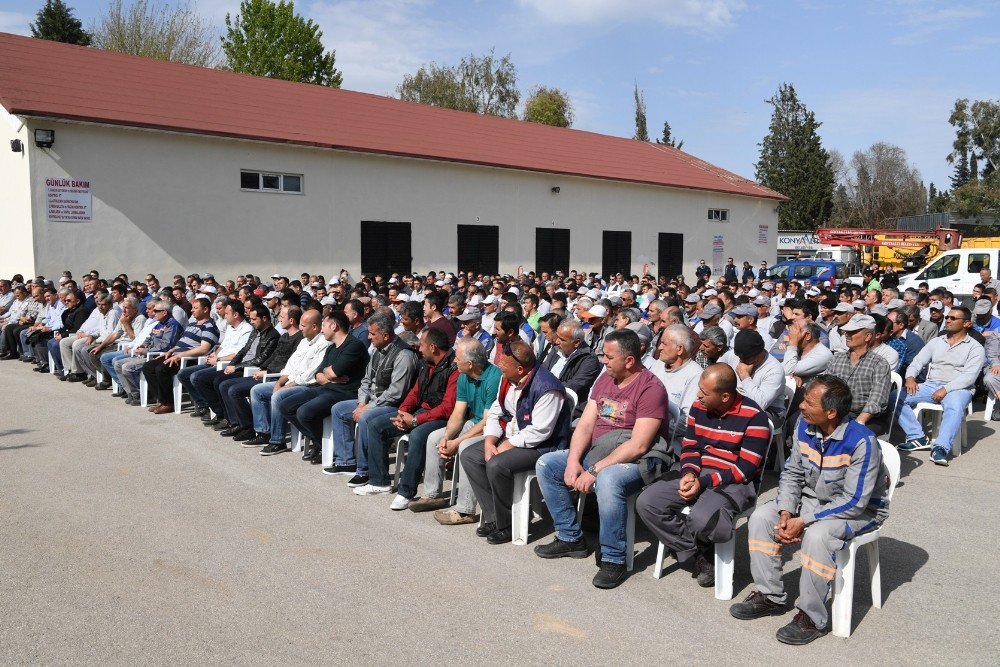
(16, 146)
(45, 138)
(555, 190)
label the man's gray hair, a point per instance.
(386, 323)
(63, 291)
(717, 335)
(585, 302)
(224, 300)
(132, 300)
(473, 351)
(575, 329)
(102, 298)
(685, 337)
(630, 314)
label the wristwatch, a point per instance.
(593, 470)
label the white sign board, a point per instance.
(67, 200)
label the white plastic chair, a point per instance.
(897, 384)
(143, 386)
(178, 389)
(521, 506)
(629, 525)
(960, 440)
(991, 401)
(843, 587)
(779, 432)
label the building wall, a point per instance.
(171, 203)
(17, 253)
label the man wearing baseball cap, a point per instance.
(760, 376)
(866, 373)
(842, 313)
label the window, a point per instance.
(718, 214)
(804, 271)
(942, 268)
(617, 254)
(385, 247)
(551, 250)
(779, 272)
(267, 182)
(978, 262)
(479, 249)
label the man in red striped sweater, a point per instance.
(722, 455)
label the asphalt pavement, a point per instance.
(129, 538)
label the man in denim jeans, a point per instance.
(954, 362)
(621, 436)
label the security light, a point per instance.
(16, 146)
(45, 138)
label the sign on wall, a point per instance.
(67, 200)
(718, 252)
(762, 234)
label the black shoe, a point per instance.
(119, 394)
(995, 416)
(131, 400)
(704, 569)
(28, 360)
(757, 605)
(209, 420)
(272, 449)
(199, 412)
(500, 536)
(76, 377)
(90, 382)
(230, 432)
(800, 631)
(486, 529)
(340, 470)
(62, 376)
(259, 439)
(317, 457)
(357, 480)
(41, 369)
(223, 425)
(559, 549)
(611, 575)
(309, 451)
(102, 386)
(245, 434)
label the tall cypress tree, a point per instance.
(641, 133)
(794, 162)
(55, 21)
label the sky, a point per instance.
(888, 71)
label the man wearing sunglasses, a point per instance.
(953, 363)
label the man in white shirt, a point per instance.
(300, 370)
(679, 372)
(103, 318)
(198, 380)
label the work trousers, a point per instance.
(954, 404)
(85, 361)
(711, 519)
(434, 470)
(128, 370)
(108, 360)
(306, 410)
(184, 377)
(380, 432)
(235, 393)
(347, 451)
(12, 337)
(205, 388)
(160, 381)
(493, 481)
(817, 553)
(68, 348)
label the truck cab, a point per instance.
(955, 270)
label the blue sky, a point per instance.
(871, 71)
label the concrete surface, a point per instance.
(130, 538)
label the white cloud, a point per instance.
(694, 14)
(378, 41)
(922, 20)
(15, 22)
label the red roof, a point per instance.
(50, 79)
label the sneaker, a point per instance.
(272, 449)
(371, 490)
(428, 504)
(357, 480)
(230, 432)
(452, 517)
(916, 444)
(340, 470)
(757, 605)
(103, 386)
(90, 382)
(486, 529)
(611, 575)
(245, 434)
(258, 440)
(939, 456)
(705, 571)
(559, 549)
(800, 631)
(399, 503)
(223, 425)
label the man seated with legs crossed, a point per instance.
(619, 445)
(526, 421)
(722, 456)
(832, 488)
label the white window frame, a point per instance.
(718, 214)
(261, 173)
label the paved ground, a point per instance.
(133, 538)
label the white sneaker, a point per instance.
(371, 490)
(399, 503)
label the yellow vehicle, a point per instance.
(902, 250)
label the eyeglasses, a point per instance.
(159, 311)
(954, 317)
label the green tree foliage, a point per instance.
(479, 84)
(667, 139)
(976, 156)
(794, 162)
(641, 133)
(270, 39)
(147, 28)
(938, 201)
(548, 106)
(55, 21)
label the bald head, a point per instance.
(311, 323)
(722, 378)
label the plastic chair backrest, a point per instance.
(571, 399)
(790, 389)
(890, 459)
(897, 383)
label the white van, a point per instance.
(955, 270)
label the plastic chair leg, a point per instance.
(521, 508)
(658, 567)
(875, 572)
(296, 439)
(178, 395)
(143, 390)
(843, 597)
(402, 448)
(725, 566)
(327, 442)
(630, 532)
(991, 401)
(455, 474)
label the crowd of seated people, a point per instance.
(630, 388)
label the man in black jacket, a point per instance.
(72, 319)
(234, 389)
(575, 365)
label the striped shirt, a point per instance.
(196, 333)
(726, 448)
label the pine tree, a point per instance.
(55, 22)
(667, 139)
(931, 196)
(641, 133)
(794, 162)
